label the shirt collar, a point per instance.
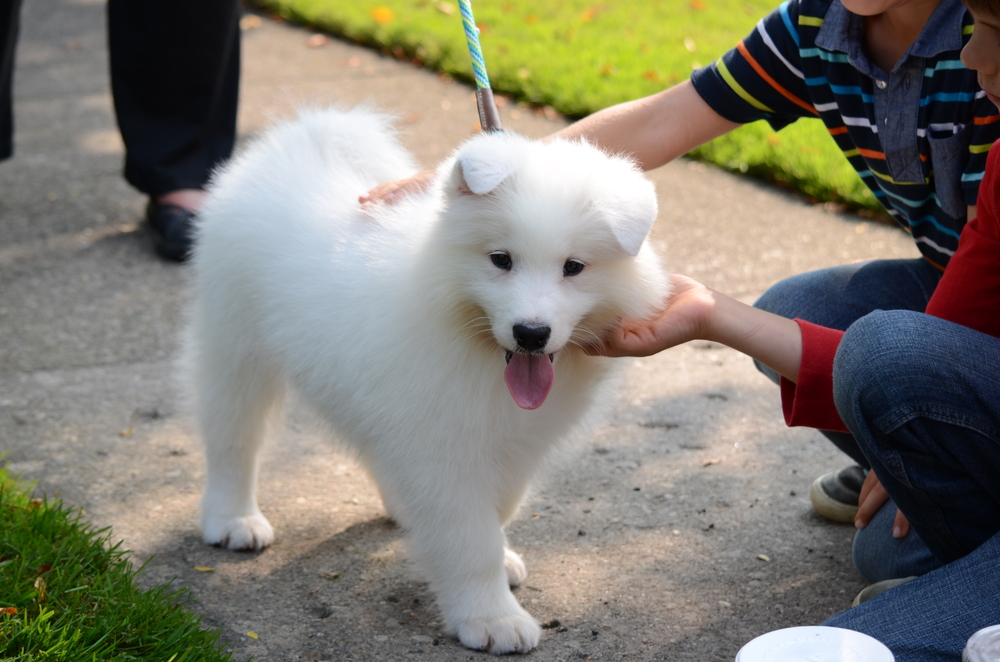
(844, 32)
(943, 31)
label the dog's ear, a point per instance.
(480, 170)
(628, 201)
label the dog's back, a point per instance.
(284, 246)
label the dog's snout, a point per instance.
(531, 337)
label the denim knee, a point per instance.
(875, 367)
(781, 299)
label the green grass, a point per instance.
(67, 594)
(579, 57)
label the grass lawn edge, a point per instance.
(67, 592)
(753, 150)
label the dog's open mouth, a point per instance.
(529, 378)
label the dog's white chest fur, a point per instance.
(440, 336)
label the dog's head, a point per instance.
(551, 241)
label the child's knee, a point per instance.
(875, 363)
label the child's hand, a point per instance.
(685, 317)
(873, 495)
(394, 191)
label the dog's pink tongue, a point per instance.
(529, 379)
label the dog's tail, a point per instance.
(363, 141)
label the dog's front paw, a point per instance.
(514, 632)
(512, 563)
(250, 533)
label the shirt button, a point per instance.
(880, 84)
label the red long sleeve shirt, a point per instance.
(968, 294)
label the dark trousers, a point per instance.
(10, 12)
(175, 67)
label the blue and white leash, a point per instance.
(489, 115)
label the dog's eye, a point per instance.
(501, 260)
(572, 267)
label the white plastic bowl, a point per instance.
(816, 643)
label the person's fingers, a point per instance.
(901, 525)
(866, 486)
(873, 495)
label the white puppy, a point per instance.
(440, 336)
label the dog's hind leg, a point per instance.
(516, 570)
(236, 396)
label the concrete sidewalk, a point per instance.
(644, 542)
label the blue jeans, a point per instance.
(922, 397)
(839, 296)
(878, 556)
(930, 618)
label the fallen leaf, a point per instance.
(764, 557)
(40, 589)
(706, 463)
(330, 576)
(382, 15)
(250, 22)
(126, 432)
(252, 635)
(317, 41)
(10, 611)
(591, 13)
(204, 568)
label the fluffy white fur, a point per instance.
(394, 325)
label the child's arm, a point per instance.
(694, 312)
(653, 130)
(396, 189)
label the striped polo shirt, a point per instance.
(917, 135)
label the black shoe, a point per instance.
(835, 495)
(173, 230)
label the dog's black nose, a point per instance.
(531, 338)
